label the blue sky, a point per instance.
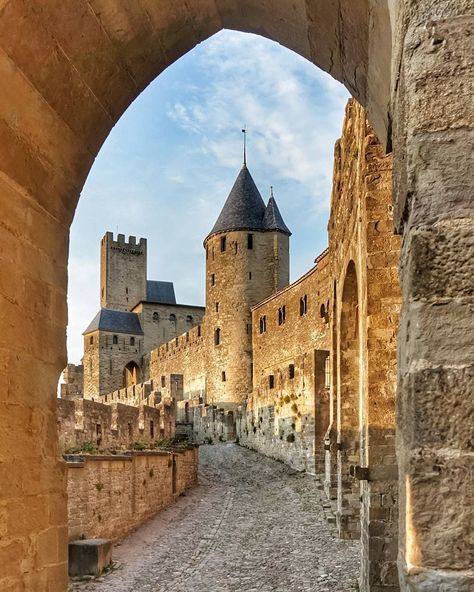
(168, 165)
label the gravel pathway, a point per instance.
(252, 525)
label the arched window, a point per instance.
(115, 339)
(172, 318)
(132, 340)
(263, 324)
(217, 336)
(156, 317)
(189, 318)
(91, 340)
(131, 374)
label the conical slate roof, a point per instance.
(272, 219)
(245, 209)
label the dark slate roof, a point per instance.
(244, 208)
(115, 321)
(272, 220)
(162, 292)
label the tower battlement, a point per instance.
(123, 271)
(121, 243)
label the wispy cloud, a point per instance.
(168, 165)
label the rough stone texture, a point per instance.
(252, 524)
(363, 317)
(84, 424)
(72, 386)
(89, 557)
(108, 496)
(288, 418)
(68, 75)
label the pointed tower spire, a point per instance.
(272, 219)
(244, 208)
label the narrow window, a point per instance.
(213, 279)
(263, 324)
(327, 373)
(199, 331)
(152, 429)
(223, 243)
(249, 241)
(156, 317)
(217, 307)
(281, 315)
(187, 335)
(217, 336)
(236, 247)
(172, 318)
(223, 376)
(249, 328)
(132, 340)
(291, 371)
(126, 290)
(250, 275)
(271, 381)
(91, 340)
(115, 340)
(98, 433)
(110, 367)
(303, 305)
(130, 431)
(163, 381)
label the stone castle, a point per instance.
(247, 260)
(286, 369)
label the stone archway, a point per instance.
(68, 72)
(348, 397)
(131, 374)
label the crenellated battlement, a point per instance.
(121, 243)
(123, 271)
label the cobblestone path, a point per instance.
(252, 525)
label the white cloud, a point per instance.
(168, 165)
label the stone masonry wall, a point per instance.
(108, 496)
(85, 424)
(187, 356)
(365, 307)
(72, 386)
(286, 415)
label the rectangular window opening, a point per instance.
(250, 241)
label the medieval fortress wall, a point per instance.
(304, 373)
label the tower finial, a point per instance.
(244, 131)
(271, 190)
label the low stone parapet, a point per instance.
(109, 495)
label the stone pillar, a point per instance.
(33, 516)
(434, 176)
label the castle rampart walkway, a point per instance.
(251, 525)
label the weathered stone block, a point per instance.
(89, 556)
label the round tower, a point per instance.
(247, 260)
